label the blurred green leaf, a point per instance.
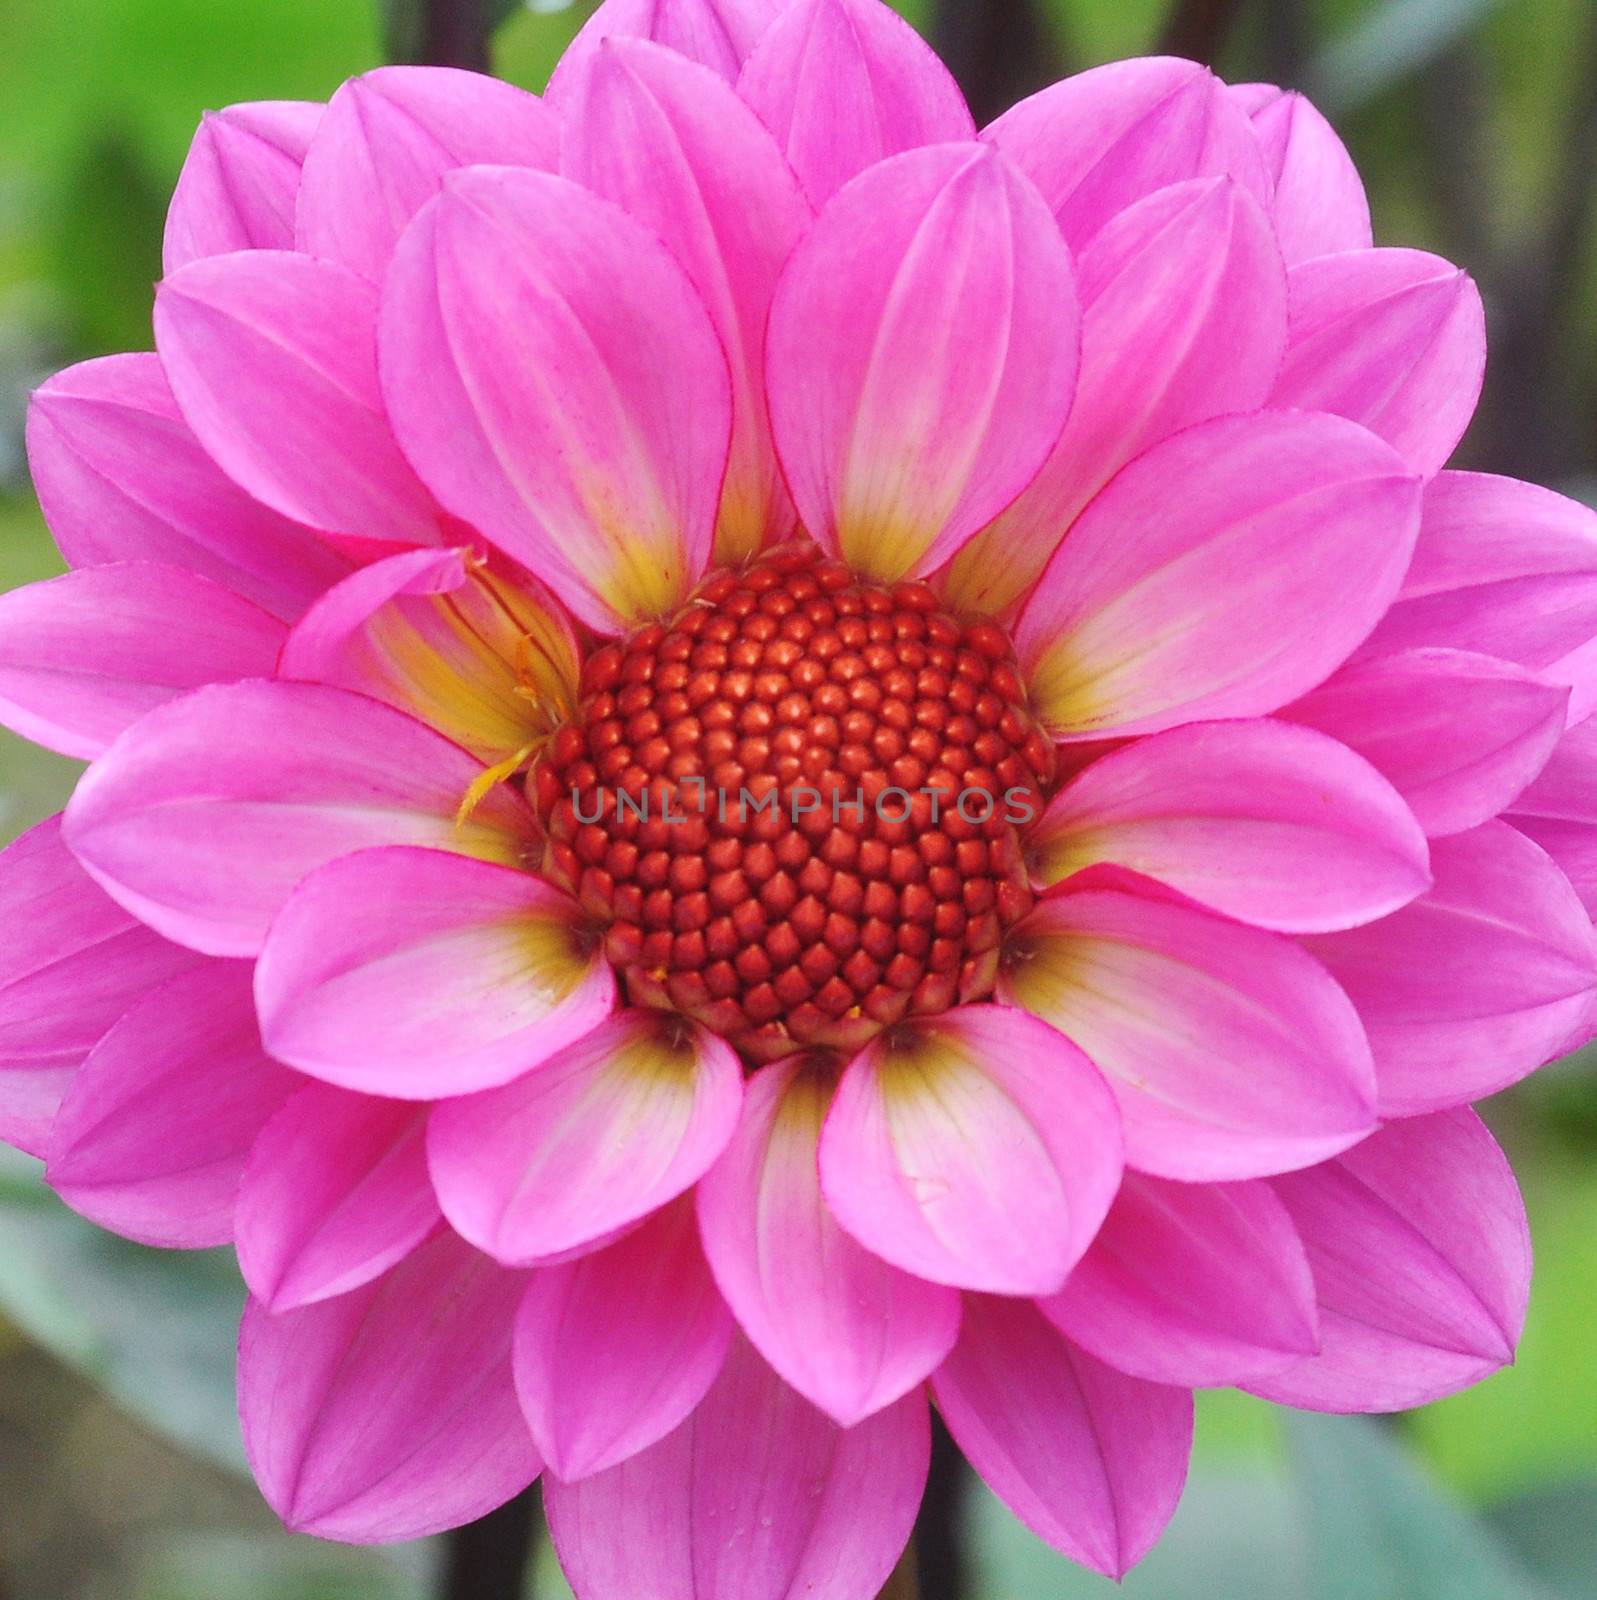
(218, 1567)
(1554, 1533)
(1388, 44)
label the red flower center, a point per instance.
(796, 806)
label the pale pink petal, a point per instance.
(1394, 339)
(671, 143)
(121, 478)
(152, 1134)
(600, 1135)
(844, 84)
(592, 449)
(71, 963)
(1559, 810)
(386, 142)
(236, 190)
(1508, 569)
(1091, 1460)
(1270, 824)
(86, 655)
(1318, 201)
(613, 1350)
(979, 1149)
(917, 387)
(1183, 318)
(272, 357)
(335, 1192)
(1101, 140)
(1458, 734)
(1421, 1261)
(1478, 982)
(390, 1412)
(718, 34)
(421, 973)
(1166, 608)
(757, 1496)
(1232, 1053)
(848, 1331)
(1192, 1284)
(203, 817)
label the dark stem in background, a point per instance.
(441, 33)
(1197, 29)
(940, 1560)
(487, 1559)
(999, 50)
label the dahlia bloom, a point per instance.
(758, 761)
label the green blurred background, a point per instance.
(1475, 124)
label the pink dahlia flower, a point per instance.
(758, 762)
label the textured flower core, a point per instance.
(797, 804)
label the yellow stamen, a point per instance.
(485, 780)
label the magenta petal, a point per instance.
(593, 450)
(718, 34)
(978, 1149)
(1192, 1284)
(757, 1496)
(236, 190)
(1458, 734)
(672, 144)
(1098, 142)
(849, 1332)
(152, 1135)
(205, 815)
(613, 1350)
(86, 655)
(1559, 810)
(1091, 1460)
(386, 142)
(595, 1138)
(71, 963)
(390, 1412)
(121, 478)
(1394, 339)
(1478, 982)
(1421, 1260)
(844, 84)
(334, 1193)
(916, 389)
(273, 360)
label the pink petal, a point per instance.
(672, 144)
(121, 478)
(421, 973)
(1559, 810)
(386, 142)
(71, 963)
(1164, 609)
(844, 84)
(593, 453)
(390, 1412)
(1395, 339)
(1192, 1284)
(600, 1135)
(916, 389)
(757, 1496)
(1460, 735)
(236, 190)
(1100, 141)
(1508, 569)
(1231, 1052)
(335, 1192)
(849, 1332)
(1267, 823)
(273, 360)
(1475, 984)
(1421, 1262)
(1091, 1460)
(718, 34)
(86, 655)
(980, 1150)
(205, 816)
(1318, 203)
(1183, 318)
(615, 1349)
(152, 1135)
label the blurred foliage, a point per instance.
(1473, 122)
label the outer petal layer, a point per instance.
(718, 34)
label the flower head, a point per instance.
(758, 761)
